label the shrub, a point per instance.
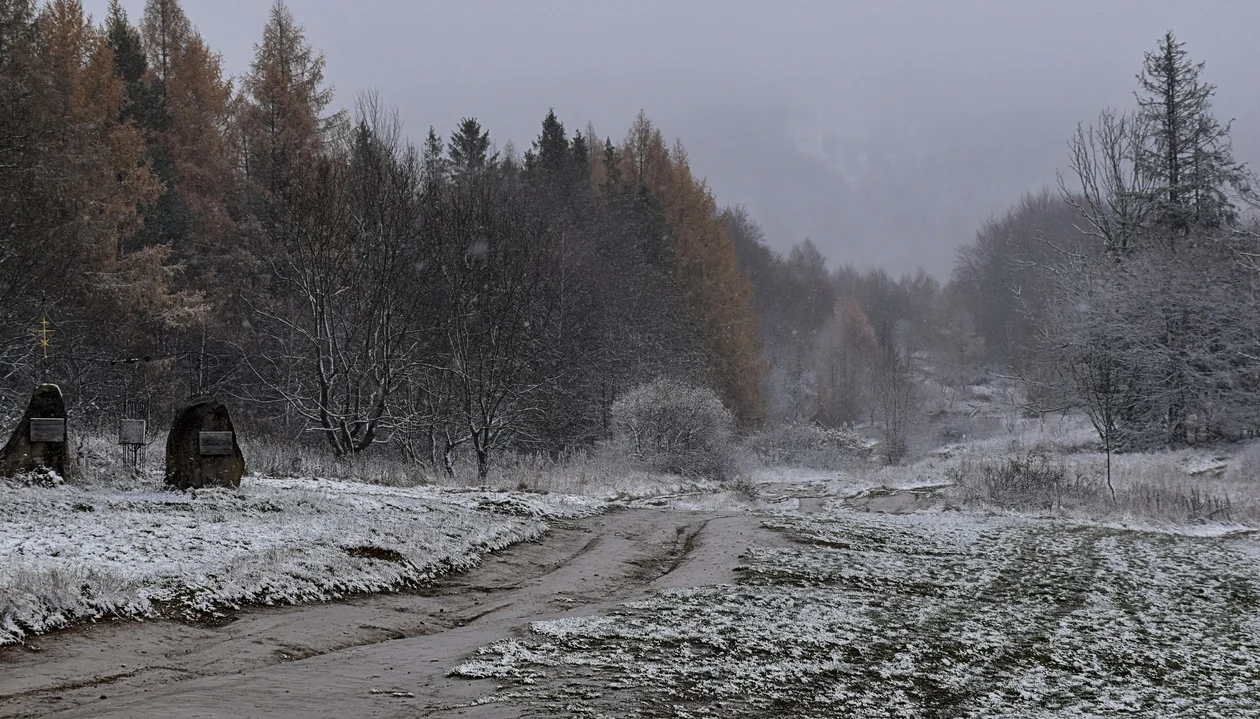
(1026, 481)
(676, 428)
(807, 445)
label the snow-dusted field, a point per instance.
(70, 554)
(937, 614)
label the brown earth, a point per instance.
(379, 655)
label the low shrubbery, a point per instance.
(1032, 480)
(676, 428)
(801, 444)
(1148, 487)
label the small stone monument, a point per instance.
(201, 450)
(39, 440)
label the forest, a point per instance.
(168, 230)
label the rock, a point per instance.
(23, 456)
(187, 466)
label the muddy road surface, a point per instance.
(378, 655)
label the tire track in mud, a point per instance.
(271, 657)
(1047, 577)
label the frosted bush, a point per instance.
(1025, 481)
(807, 445)
(677, 428)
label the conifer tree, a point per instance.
(1186, 154)
(552, 148)
(129, 60)
(284, 124)
(717, 295)
(611, 164)
(469, 149)
(199, 100)
(581, 159)
(165, 29)
(432, 159)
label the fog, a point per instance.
(886, 132)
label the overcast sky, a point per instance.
(885, 131)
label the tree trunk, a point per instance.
(483, 464)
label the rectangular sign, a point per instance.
(131, 431)
(215, 444)
(48, 429)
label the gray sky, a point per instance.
(885, 131)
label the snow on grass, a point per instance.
(71, 553)
(946, 614)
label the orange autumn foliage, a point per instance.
(717, 294)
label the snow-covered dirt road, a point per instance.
(880, 605)
(375, 656)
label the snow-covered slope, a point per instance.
(69, 554)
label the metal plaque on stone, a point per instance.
(48, 429)
(216, 444)
(131, 431)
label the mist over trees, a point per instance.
(183, 231)
(186, 232)
(1135, 294)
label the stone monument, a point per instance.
(40, 439)
(201, 449)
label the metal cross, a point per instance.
(43, 336)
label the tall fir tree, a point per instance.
(469, 149)
(552, 148)
(1187, 153)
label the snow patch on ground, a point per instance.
(920, 615)
(71, 554)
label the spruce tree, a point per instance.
(124, 40)
(433, 164)
(469, 149)
(581, 158)
(552, 147)
(1186, 152)
(612, 166)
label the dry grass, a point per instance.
(603, 472)
(1185, 487)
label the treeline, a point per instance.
(181, 231)
(184, 232)
(1131, 293)
(848, 347)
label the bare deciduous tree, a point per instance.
(340, 331)
(897, 398)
